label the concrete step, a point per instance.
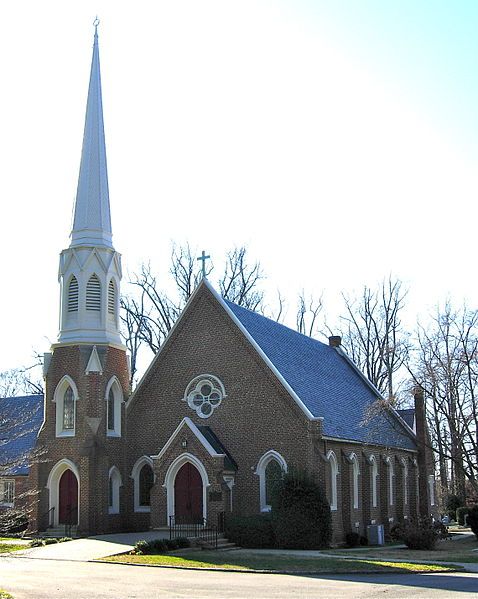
(57, 532)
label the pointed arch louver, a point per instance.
(93, 294)
(73, 295)
(112, 298)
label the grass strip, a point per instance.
(8, 548)
(270, 563)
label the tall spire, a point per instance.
(92, 220)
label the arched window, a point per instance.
(112, 299)
(143, 477)
(68, 410)
(146, 481)
(373, 480)
(65, 398)
(73, 295)
(93, 294)
(273, 476)
(269, 476)
(114, 484)
(391, 474)
(431, 489)
(333, 473)
(114, 399)
(403, 461)
(355, 481)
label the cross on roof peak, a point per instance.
(203, 259)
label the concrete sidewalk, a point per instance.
(83, 550)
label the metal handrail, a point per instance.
(68, 523)
(51, 516)
(196, 526)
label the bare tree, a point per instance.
(150, 312)
(446, 365)
(308, 311)
(373, 335)
(20, 381)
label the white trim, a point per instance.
(391, 473)
(114, 475)
(58, 398)
(53, 485)
(261, 473)
(186, 421)
(404, 464)
(355, 479)
(142, 461)
(431, 488)
(194, 387)
(170, 478)
(114, 384)
(6, 482)
(334, 472)
(346, 441)
(237, 322)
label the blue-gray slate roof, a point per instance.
(20, 422)
(326, 383)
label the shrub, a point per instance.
(142, 547)
(363, 541)
(37, 543)
(51, 541)
(183, 542)
(170, 544)
(300, 513)
(473, 519)
(453, 502)
(253, 531)
(13, 522)
(352, 539)
(460, 515)
(418, 533)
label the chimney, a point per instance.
(335, 341)
(423, 451)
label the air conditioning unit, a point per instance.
(375, 534)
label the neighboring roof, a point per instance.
(409, 416)
(229, 462)
(326, 382)
(20, 422)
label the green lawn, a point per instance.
(455, 550)
(8, 547)
(241, 560)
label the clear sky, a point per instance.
(337, 140)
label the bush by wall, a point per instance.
(158, 546)
(473, 519)
(301, 516)
(453, 502)
(460, 515)
(418, 533)
(253, 531)
(13, 522)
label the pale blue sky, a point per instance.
(338, 140)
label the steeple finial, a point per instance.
(92, 220)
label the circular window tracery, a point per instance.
(204, 394)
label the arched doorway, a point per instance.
(68, 498)
(188, 495)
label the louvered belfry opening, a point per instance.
(93, 294)
(73, 295)
(111, 298)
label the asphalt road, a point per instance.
(29, 578)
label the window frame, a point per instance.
(261, 473)
(5, 496)
(59, 399)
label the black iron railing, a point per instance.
(69, 519)
(49, 516)
(193, 527)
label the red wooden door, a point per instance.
(68, 499)
(188, 495)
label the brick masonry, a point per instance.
(256, 416)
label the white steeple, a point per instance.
(90, 269)
(92, 221)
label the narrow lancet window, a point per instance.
(68, 410)
(111, 410)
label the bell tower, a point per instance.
(90, 269)
(87, 374)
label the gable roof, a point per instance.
(322, 380)
(408, 414)
(20, 421)
(327, 383)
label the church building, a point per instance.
(231, 401)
